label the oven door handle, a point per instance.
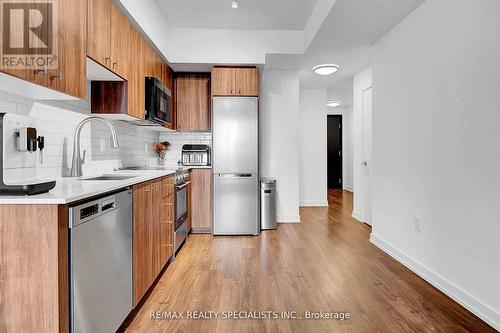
(182, 186)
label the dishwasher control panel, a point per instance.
(89, 211)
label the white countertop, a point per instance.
(69, 190)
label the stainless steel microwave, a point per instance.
(159, 107)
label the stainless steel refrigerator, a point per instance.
(235, 160)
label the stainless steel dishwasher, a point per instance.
(101, 263)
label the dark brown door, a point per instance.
(334, 152)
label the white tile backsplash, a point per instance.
(57, 120)
(177, 140)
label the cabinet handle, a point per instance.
(148, 190)
(59, 76)
(108, 59)
(43, 71)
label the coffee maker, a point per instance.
(19, 142)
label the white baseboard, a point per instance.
(483, 311)
(314, 203)
(357, 216)
(348, 188)
(288, 218)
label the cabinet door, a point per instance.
(142, 240)
(192, 95)
(99, 31)
(149, 59)
(167, 76)
(37, 76)
(247, 82)
(201, 200)
(166, 229)
(120, 42)
(157, 207)
(135, 82)
(223, 81)
(70, 77)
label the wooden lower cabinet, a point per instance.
(201, 201)
(34, 268)
(142, 240)
(153, 233)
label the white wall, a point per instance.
(361, 82)
(279, 138)
(219, 46)
(313, 148)
(436, 136)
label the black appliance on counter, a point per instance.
(159, 105)
(18, 146)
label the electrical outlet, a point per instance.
(146, 147)
(102, 145)
(419, 224)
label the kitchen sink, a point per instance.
(109, 177)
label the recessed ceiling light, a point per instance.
(234, 4)
(334, 104)
(325, 69)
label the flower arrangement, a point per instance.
(161, 149)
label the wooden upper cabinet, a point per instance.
(70, 76)
(167, 76)
(108, 36)
(149, 60)
(223, 83)
(246, 81)
(235, 81)
(192, 98)
(136, 87)
(99, 31)
(120, 42)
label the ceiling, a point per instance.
(251, 14)
(345, 38)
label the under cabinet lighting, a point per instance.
(325, 69)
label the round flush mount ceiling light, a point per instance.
(234, 4)
(325, 69)
(334, 104)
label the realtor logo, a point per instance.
(29, 34)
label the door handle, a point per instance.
(236, 175)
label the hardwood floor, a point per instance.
(326, 263)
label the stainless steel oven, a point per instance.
(181, 228)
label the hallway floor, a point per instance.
(326, 263)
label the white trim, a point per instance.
(357, 216)
(314, 203)
(348, 188)
(463, 298)
(288, 218)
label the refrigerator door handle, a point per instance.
(235, 175)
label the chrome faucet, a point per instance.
(78, 160)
